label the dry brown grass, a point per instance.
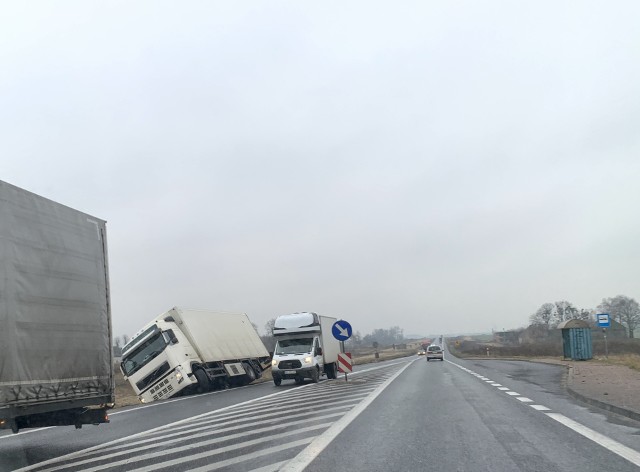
(628, 360)
(125, 395)
(385, 355)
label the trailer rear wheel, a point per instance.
(330, 370)
(203, 381)
(250, 373)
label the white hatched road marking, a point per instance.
(269, 468)
(204, 433)
(302, 460)
(214, 452)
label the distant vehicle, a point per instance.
(305, 348)
(435, 352)
(56, 365)
(193, 350)
(421, 352)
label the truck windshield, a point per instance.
(294, 346)
(143, 354)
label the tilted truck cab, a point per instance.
(184, 351)
(305, 348)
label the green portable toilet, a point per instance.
(576, 340)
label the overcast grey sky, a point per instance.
(441, 166)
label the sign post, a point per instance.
(604, 322)
(342, 331)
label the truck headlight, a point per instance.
(274, 362)
(308, 360)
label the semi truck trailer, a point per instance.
(305, 348)
(186, 351)
(56, 365)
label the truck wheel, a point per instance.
(250, 373)
(277, 381)
(315, 376)
(203, 381)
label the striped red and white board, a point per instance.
(345, 364)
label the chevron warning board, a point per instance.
(345, 364)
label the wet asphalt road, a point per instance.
(456, 415)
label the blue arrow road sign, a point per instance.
(604, 320)
(341, 330)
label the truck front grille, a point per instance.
(293, 364)
(156, 374)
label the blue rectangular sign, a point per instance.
(604, 320)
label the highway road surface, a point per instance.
(401, 415)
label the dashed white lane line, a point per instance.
(623, 451)
(496, 385)
(540, 407)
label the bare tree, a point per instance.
(565, 311)
(584, 314)
(545, 315)
(623, 309)
(116, 342)
(268, 327)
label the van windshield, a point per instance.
(294, 346)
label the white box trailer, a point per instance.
(305, 348)
(56, 364)
(184, 351)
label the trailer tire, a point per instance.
(330, 370)
(203, 385)
(250, 373)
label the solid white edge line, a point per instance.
(623, 451)
(309, 453)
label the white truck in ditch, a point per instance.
(184, 351)
(305, 348)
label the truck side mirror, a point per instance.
(170, 337)
(318, 351)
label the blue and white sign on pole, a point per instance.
(341, 330)
(604, 320)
